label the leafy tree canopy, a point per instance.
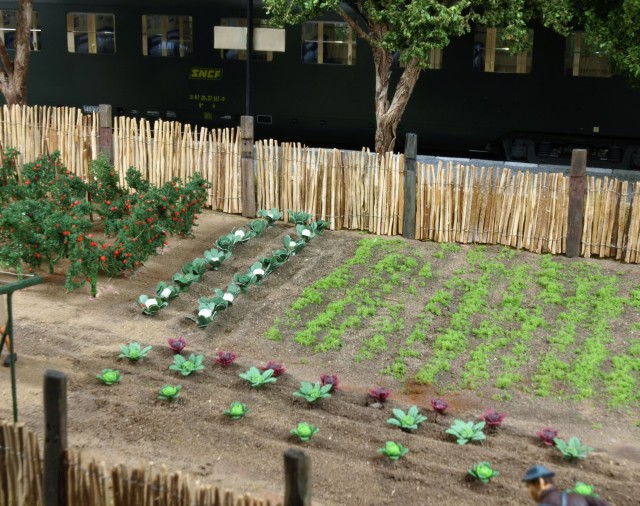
(414, 27)
(614, 27)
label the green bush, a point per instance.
(47, 216)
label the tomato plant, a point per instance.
(47, 215)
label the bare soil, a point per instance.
(126, 423)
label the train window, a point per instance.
(240, 54)
(166, 35)
(491, 53)
(8, 24)
(338, 43)
(91, 33)
(583, 60)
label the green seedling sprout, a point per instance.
(304, 431)
(408, 421)
(169, 392)
(236, 410)
(483, 472)
(313, 392)
(187, 366)
(573, 449)
(109, 376)
(133, 351)
(393, 451)
(466, 431)
(257, 378)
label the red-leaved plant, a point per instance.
(225, 358)
(177, 345)
(330, 379)
(380, 394)
(278, 369)
(492, 418)
(439, 406)
(547, 436)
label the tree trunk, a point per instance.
(388, 115)
(13, 74)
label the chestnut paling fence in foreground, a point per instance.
(352, 190)
(92, 484)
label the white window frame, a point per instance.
(92, 19)
(11, 27)
(320, 46)
(577, 51)
(167, 22)
(522, 60)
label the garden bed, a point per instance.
(126, 423)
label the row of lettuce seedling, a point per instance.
(409, 421)
(209, 307)
(191, 272)
(213, 259)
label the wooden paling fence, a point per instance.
(612, 220)
(21, 480)
(35, 130)
(20, 466)
(171, 149)
(467, 204)
(351, 190)
(160, 151)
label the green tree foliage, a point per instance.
(412, 28)
(614, 27)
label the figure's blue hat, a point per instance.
(538, 471)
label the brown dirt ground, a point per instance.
(126, 423)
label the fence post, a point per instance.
(577, 186)
(409, 219)
(55, 438)
(297, 478)
(106, 130)
(248, 187)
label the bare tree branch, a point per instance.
(354, 26)
(7, 64)
(13, 84)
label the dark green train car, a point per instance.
(156, 59)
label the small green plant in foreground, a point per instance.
(166, 292)
(186, 367)
(273, 333)
(271, 215)
(304, 431)
(257, 378)
(150, 306)
(134, 351)
(236, 410)
(313, 392)
(169, 392)
(584, 489)
(109, 376)
(299, 217)
(393, 451)
(483, 472)
(466, 431)
(408, 421)
(573, 449)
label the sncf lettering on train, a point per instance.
(205, 73)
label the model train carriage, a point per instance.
(156, 59)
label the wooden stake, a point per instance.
(297, 473)
(55, 438)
